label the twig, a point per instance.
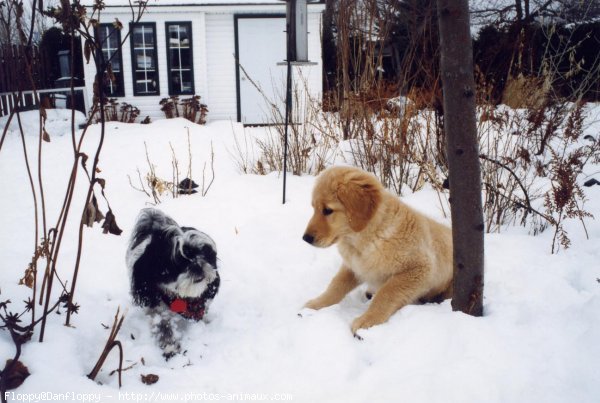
(143, 189)
(175, 172)
(111, 342)
(212, 168)
(189, 173)
(519, 204)
(111, 373)
(525, 194)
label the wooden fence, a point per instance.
(13, 69)
(16, 85)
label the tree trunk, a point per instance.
(463, 155)
(519, 10)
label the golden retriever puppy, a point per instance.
(402, 255)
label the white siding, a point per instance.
(214, 58)
(220, 45)
(149, 105)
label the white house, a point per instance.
(191, 47)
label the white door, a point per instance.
(261, 45)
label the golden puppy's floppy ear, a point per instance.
(360, 195)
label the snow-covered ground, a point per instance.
(539, 340)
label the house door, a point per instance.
(261, 82)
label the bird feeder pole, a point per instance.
(296, 54)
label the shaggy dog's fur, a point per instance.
(402, 255)
(173, 274)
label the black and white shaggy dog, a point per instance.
(173, 273)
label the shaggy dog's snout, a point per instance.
(308, 238)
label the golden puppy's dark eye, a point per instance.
(327, 211)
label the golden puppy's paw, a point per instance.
(315, 304)
(365, 321)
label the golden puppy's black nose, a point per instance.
(308, 238)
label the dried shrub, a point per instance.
(310, 145)
(169, 107)
(525, 92)
(155, 187)
(116, 112)
(191, 108)
(194, 110)
(531, 176)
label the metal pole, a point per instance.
(288, 111)
(288, 103)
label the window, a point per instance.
(110, 42)
(179, 58)
(143, 59)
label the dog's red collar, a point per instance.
(189, 308)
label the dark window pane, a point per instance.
(150, 58)
(175, 81)
(148, 37)
(138, 41)
(143, 53)
(173, 31)
(175, 63)
(184, 38)
(186, 59)
(179, 52)
(145, 82)
(116, 65)
(186, 85)
(110, 40)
